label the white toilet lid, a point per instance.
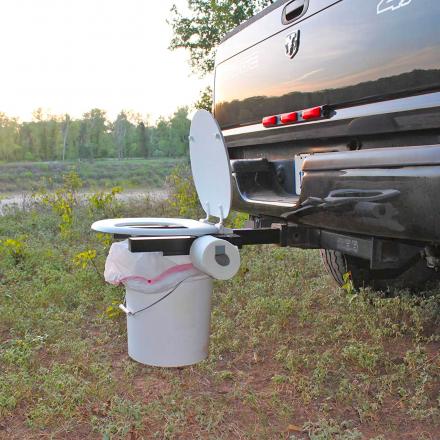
(154, 226)
(210, 165)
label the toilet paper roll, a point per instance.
(215, 257)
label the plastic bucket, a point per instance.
(175, 331)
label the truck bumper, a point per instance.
(383, 192)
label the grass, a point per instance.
(291, 355)
(106, 173)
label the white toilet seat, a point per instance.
(158, 227)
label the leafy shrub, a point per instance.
(103, 201)
(84, 258)
(183, 195)
(63, 200)
(14, 248)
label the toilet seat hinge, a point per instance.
(208, 213)
(220, 223)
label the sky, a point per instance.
(75, 55)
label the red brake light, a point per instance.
(287, 118)
(312, 113)
(270, 121)
(296, 117)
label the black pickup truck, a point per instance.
(331, 113)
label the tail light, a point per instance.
(288, 118)
(311, 113)
(296, 117)
(270, 121)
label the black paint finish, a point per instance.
(349, 54)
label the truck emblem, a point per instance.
(391, 5)
(291, 44)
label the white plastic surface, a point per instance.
(203, 254)
(299, 174)
(154, 226)
(174, 332)
(210, 165)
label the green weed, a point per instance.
(14, 248)
(103, 202)
(63, 200)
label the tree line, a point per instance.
(51, 137)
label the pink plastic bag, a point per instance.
(147, 272)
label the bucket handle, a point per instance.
(129, 312)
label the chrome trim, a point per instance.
(265, 202)
(391, 157)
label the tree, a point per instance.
(205, 100)
(205, 26)
(83, 147)
(39, 130)
(54, 137)
(144, 139)
(73, 146)
(120, 134)
(26, 141)
(96, 134)
(179, 128)
(65, 131)
(41, 138)
(9, 138)
(138, 135)
(161, 138)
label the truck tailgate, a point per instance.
(343, 58)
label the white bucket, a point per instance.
(175, 331)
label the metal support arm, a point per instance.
(382, 253)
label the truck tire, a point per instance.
(415, 276)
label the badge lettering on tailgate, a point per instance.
(391, 5)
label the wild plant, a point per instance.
(103, 202)
(13, 248)
(63, 200)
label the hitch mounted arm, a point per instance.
(381, 253)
